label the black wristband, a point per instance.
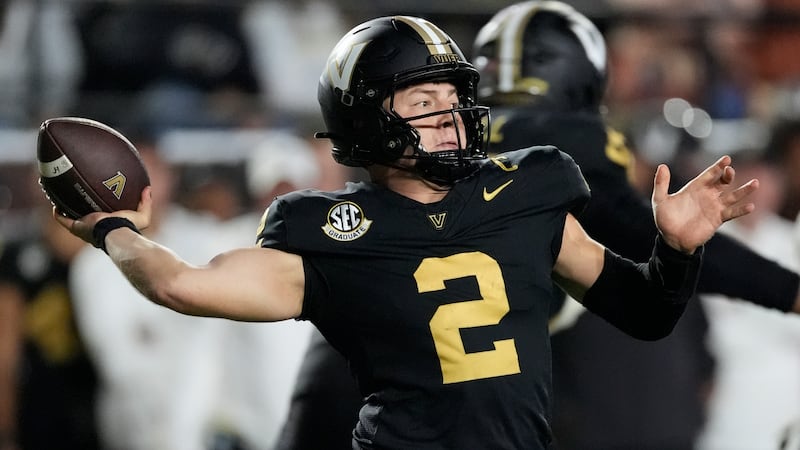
(678, 272)
(105, 226)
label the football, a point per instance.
(87, 166)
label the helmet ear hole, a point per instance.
(396, 139)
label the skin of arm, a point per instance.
(268, 285)
(249, 284)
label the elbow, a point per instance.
(645, 321)
(166, 288)
(170, 294)
(657, 323)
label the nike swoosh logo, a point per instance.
(489, 196)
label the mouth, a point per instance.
(446, 146)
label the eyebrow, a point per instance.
(420, 90)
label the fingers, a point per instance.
(65, 222)
(721, 171)
(146, 201)
(738, 211)
(742, 191)
(728, 174)
(661, 183)
(734, 197)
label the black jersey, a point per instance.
(621, 218)
(57, 381)
(441, 309)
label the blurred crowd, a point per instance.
(220, 98)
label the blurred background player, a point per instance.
(47, 380)
(544, 73)
(757, 378)
(259, 395)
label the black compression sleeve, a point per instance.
(729, 267)
(736, 271)
(645, 300)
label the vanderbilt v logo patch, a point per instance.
(437, 220)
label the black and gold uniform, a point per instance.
(441, 309)
(544, 71)
(57, 380)
(449, 315)
(619, 216)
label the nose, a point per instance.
(445, 120)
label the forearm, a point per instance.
(247, 284)
(732, 269)
(645, 300)
(150, 267)
(728, 265)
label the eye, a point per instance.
(423, 103)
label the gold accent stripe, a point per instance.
(434, 38)
(510, 69)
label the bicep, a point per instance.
(579, 261)
(248, 284)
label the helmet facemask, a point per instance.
(373, 62)
(403, 141)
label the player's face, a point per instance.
(437, 132)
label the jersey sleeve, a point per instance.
(272, 232)
(556, 176)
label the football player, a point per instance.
(434, 278)
(543, 73)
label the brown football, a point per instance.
(87, 166)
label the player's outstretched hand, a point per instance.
(84, 226)
(691, 216)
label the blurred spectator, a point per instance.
(47, 381)
(756, 390)
(215, 189)
(783, 150)
(41, 60)
(732, 76)
(281, 163)
(291, 41)
(160, 371)
(180, 65)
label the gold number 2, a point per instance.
(446, 323)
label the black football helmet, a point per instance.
(541, 51)
(367, 66)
